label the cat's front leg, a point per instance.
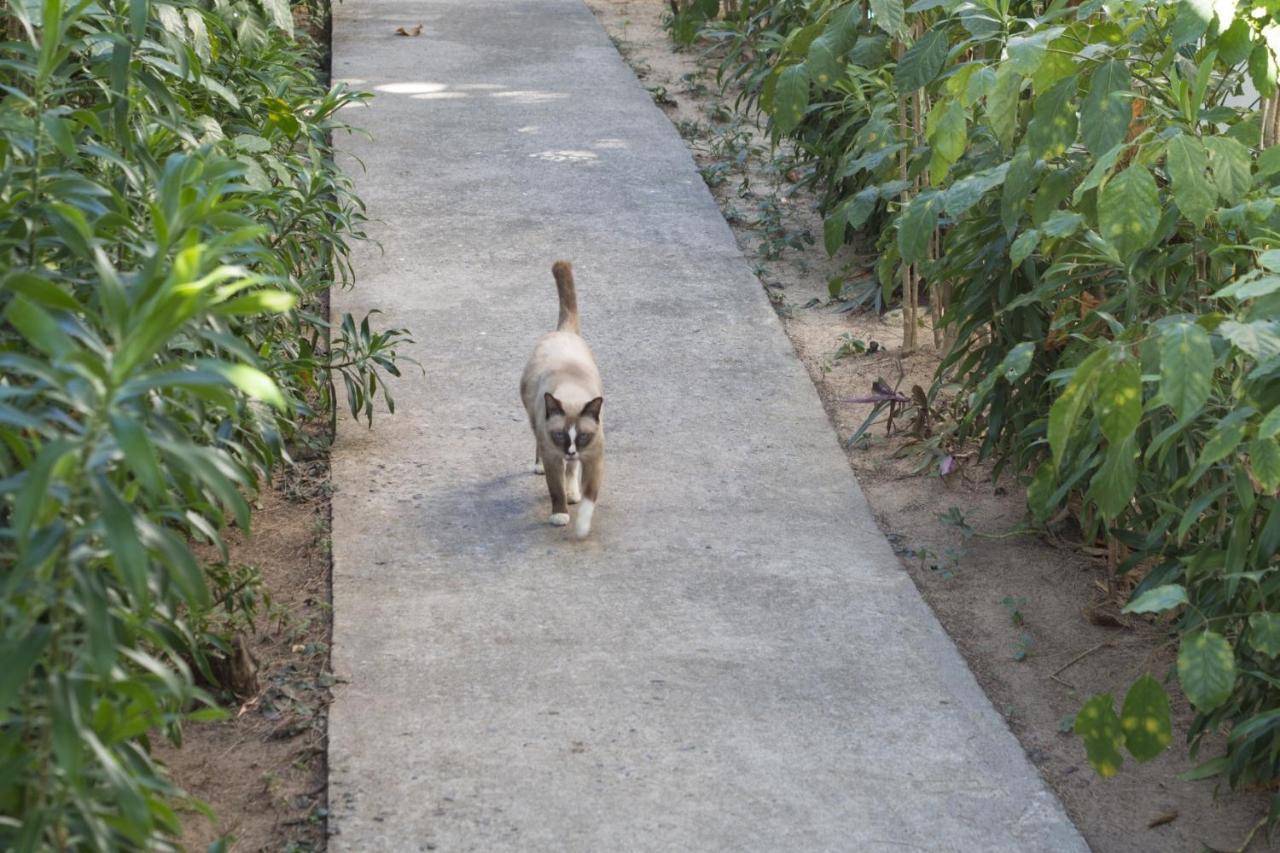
(573, 480)
(592, 475)
(555, 485)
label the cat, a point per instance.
(562, 394)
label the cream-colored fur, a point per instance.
(563, 396)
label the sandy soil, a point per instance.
(263, 772)
(1028, 611)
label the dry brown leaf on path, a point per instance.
(409, 31)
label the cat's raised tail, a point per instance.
(563, 272)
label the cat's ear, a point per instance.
(592, 409)
(553, 405)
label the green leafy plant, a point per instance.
(173, 218)
(1085, 196)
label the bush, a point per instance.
(171, 220)
(1088, 195)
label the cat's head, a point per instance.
(572, 431)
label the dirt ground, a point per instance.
(263, 772)
(1028, 611)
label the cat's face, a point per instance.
(573, 434)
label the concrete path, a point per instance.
(734, 660)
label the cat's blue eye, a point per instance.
(584, 438)
(560, 436)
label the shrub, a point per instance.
(1088, 195)
(171, 220)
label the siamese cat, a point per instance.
(562, 393)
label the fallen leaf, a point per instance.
(410, 31)
(1161, 820)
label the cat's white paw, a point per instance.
(538, 468)
(559, 519)
(583, 525)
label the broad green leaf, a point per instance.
(1024, 246)
(1062, 223)
(1262, 69)
(127, 554)
(1018, 184)
(1100, 171)
(1224, 438)
(947, 130)
(1264, 633)
(915, 226)
(1002, 104)
(1270, 425)
(1206, 669)
(1229, 164)
(1260, 338)
(1119, 403)
(791, 98)
(1190, 22)
(1017, 361)
(1145, 719)
(1072, 402)
(1188, 163)
(1099, 727)
(1053, 124)
(1040, 491)
(921, 62)
(887, 15)
(824, 67)
(1129, 210)
(1158, 599)
(1027, 51)
(1113, 483)
(1234, 44)
(968, 191)
(1264, 460)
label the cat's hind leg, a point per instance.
(537, 458)
(573, 480)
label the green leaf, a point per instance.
(887, 15)
(1206, 669)
(1129, 211)
(250, 380)
(1264, 460)
(1188, 162)
(1262, 69)
(1099, 727)
(1017, 361)
(1158, 599)
(1145, 719)
(1260, 338)
(1229, 163)
(1224, 438)
(1002, 104)
(1270, 425)
(127, 554)
(791, 98)
(1264, 633)
(1072, 402)
(921, 62)
(1018, 184)
(20, 655)
(1053, 124)
(1024, 246)
(915, 226)
(947, 134)
(1113, 484)
(1119, 403)
(1040, 491)
(1105, 114)
(1027, 51)
(824, 67)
